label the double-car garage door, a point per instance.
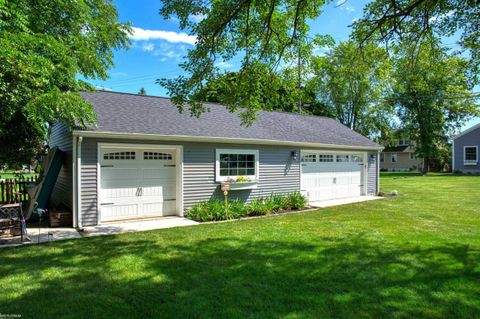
(137, 183)
(330, 175)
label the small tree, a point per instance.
(142, 91)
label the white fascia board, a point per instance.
(184, 138)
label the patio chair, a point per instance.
(11, 215)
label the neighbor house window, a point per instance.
(394, 157)
(309, 158)
(382, 157)
(403, 141)
(470, 155)
(235, 163)
(325, 158)
(413, 156)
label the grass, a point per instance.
(417, 255)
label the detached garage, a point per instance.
(144, 159)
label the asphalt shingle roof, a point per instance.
(131, 113)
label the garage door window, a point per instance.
(325, 158)
(343, 158)
(309, 158)
(156, 156)
(119, 156)
(234, 163)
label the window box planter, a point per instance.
(237, 186)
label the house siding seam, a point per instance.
(278, 172)
(471, 138)
(61, 136)
(372, 173)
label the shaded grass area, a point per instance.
(417, 255)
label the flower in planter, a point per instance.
(243, 179)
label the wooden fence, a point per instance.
(9, 187)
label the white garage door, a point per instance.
(137, 183)
(327, 176)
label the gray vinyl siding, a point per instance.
(278, 172)
(372, 171)
(89, 182)
(471, 138)
(61, 136)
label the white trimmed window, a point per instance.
(413, 156)
(470, 155)
(382, 157)
(394, 158)
(231, 163)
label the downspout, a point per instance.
(79, 182)
(378, 172)
(74, 182)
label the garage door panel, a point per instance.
(116, 212)
(167, 208)
(330, 175)
(120, 193)
(158, 173)
(144, 186)
(159, 191)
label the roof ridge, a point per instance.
(214, 103)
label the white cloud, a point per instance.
(140, 34)
(197, 17)
(345, 5)
(441, 17)
(224, 65)
(148, 47)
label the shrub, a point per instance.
(256, 208)
(296, 200)
(236, 209)
(210, 210)
(214, 209)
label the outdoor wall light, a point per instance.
(294, 155)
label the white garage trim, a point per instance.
(178, 164)
(364, 171)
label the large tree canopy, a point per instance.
(394, 21)
(266, 34)
(432, 95)
(44, 46)
(352, 85)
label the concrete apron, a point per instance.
(45, 235)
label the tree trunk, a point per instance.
(426, 162)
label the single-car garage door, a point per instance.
(136, 183)
(330, 175)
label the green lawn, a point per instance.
(414, 256)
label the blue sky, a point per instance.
(158, 45)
